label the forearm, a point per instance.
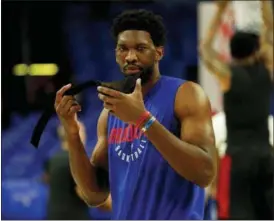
(208, 54)
(84, 173)
(191, 162)
(209, 57)
(215, 64)
(215, 23)
(267, 13)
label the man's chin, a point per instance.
(144, 77)
(127, 74)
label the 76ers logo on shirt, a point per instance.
(129, 143)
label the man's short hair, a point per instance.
(244, 44)
(142, 20)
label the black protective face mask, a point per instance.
(127, 85)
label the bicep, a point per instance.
(197, 130)
(192, 107)
(99, 157)
(194, 111)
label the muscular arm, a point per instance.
(193, 155)
(209, 55)
(83, 171)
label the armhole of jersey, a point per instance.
(174, 100)
(230, 82)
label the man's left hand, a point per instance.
(127, 107)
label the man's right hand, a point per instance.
(66, 108)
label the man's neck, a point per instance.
(247, 61)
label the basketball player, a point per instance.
(246, 84)
(157, 142)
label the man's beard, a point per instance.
(145, 74)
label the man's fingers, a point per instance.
(67, 100)
(60, 93)
(110, 92)
(109, 106)
(63, 90)
(61, 106)
(74, 109)
(70, 103)
(107, 99)
(66, 104)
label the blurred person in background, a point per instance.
(157, 142)
(64, 202)
(246, 82)
(220, 131)
(219, 127)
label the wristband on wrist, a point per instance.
(142, 119)
(148, 124)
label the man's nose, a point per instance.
(131, 56)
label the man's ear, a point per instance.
(159, 53)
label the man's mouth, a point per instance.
(132, 69)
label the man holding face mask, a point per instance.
(156, 143)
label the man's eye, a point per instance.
(141, 48)
(122, 49)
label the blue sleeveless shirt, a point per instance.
(142, 183)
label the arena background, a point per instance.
(48, 44)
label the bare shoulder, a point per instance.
(192, 108)
(191, 99)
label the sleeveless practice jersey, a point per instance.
(142, 184)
